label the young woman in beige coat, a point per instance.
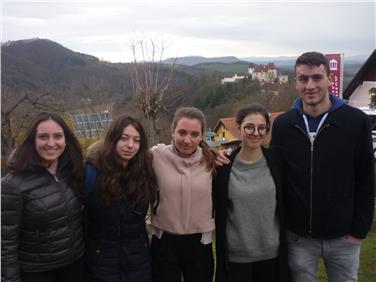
(183, 219)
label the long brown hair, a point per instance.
(136, 181)
(26, 159)
(193, 113)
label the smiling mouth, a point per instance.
(51, 151)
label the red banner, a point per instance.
(336, 71)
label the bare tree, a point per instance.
(15, 113)
(151, 81)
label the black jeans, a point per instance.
(71, 273)
(177, 256)
(258, 271)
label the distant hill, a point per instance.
(43, 65)
(289, 61)
(235, 67)
(278, 61)
(285, 62)
(194, 60)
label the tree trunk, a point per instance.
(153, 131)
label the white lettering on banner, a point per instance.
(336, 72)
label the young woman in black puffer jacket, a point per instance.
(42, 234)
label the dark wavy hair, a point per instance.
(253, 108)
(193, 113)
(26, 159)
(137, 181)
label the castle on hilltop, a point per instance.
(263, 73)
(266, 73)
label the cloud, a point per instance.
(208, 28)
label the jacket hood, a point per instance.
(336, 103)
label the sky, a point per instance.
(209, 28)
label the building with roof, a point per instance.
(266, 73)
(357, 92)
(233, 79)
(227, 132)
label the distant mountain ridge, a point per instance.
(194, 60)
(281, 61)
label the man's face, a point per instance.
(312, 84)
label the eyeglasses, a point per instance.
(251, 128)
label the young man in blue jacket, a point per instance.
(330, 193)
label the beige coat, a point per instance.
(185, 192)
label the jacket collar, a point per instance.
(177, 152)
(295, 118)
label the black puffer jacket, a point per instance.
(41, 224)
(117, 242)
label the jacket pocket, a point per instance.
(292, 237)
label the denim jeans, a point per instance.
(340, 256)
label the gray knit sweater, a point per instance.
(252, 225)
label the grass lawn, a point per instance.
(367, 269)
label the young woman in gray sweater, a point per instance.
(250, 241)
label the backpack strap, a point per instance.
(91, 174)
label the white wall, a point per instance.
(360, 96)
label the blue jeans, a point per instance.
(341, 258)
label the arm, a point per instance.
(364, 194)
(11, 216)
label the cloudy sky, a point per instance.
(208, 28)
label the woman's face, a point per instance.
(253, 130)
(187, 135)
(129, 144)
(49, 141)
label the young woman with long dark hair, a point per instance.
(124, 186)
(42, 237)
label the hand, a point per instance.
(353, 239)
(222, 157)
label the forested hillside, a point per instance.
(38, 66)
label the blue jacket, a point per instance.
(330, 184)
